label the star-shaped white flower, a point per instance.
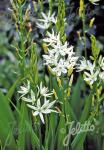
(32, 99)
(85, 65)
(47, 19)
(60, 68)
(60, 48)
(50, 58)
(91, 77)
(52, 38)
(42, 109)
(24, 89)
(43, 91)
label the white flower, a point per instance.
(44, 91)
(69, 51)
(60, 57)
(91, 77)
(42, 109)
(101, 62)
(24, 89)
(38, 101)
(43, 26)
(72, 59)
(85, 65)
(52, 38)
(94, 1)
(30, 100)
(82, 66)
(60, 48)
(47, 19)
(60, 68)
(101, 75)
(50, 58)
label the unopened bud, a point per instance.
(55, 94)
(50, 70)
(91, 22)
(70, 70)
(59, 82)
(45, 47)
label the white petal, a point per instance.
(32, 107)
(35, 113)
(45, 104)
(41, 117)
(64, 70)
(38, 103)
(47, 111)
(51, 104)
(26, 99)
(44, 15)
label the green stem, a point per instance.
(50, 5)
(40, 136)
(84, 34)
(41, 4)
(103, 144)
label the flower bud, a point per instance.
(59, 82)
(91, 22)
(45, 47)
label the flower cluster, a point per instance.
(92, 71)
(60, 57)
(39, 103)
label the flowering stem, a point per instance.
(22, 48)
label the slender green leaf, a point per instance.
(6, 122)
(12, 89)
